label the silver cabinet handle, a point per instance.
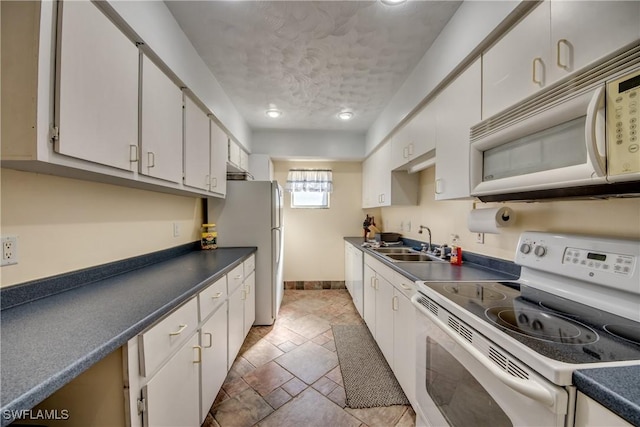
(244, 295)
(534, 74)
(216, 296)
(405, 152)
(151, 159)
(247, 289)
(207, 180)
(558, 55)
(214, 182)
(133, 153)
(439, 183)
(179, 331)
(210, 335)
(410, 147)
(395, 303)
(199, 352)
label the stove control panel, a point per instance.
(609, 262)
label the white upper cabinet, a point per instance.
(383, 187)
(552, 41)
(583, 32)
(458, 108)
(97, 89)
(218, 161)
(196, 146)
(416, 138)
(515, 66)
(161, 124)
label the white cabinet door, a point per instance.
(219, 147)
(384, 317)
(348, 274)
(404, 344)
(249, 302)
(357, 283)
(213, 340)
(236, 323)
(401, 146)
(423, 131)
(515, 66)
(196, 146)
(161, 112)
(97, 102)
(458, 108)
(370, 299)
(590, 413)
(583, 32)
(173, 394)
(234, 154)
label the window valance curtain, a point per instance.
(310, 180)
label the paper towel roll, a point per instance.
(490, 220)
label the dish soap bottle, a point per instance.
(456, 251)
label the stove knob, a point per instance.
(523, 319)
(525, 248)
(540, 251)
(537, 325)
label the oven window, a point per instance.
(460, 398)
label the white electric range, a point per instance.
(503, 353)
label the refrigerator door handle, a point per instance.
(279, 243)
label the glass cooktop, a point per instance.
(553, 326)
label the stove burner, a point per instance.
(542, 326)
(474, 291)
(626, 332)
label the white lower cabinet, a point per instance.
(175, 368)
(390, 316)
(590, 413)
(213, 340)
(172, 395)
(353, 275)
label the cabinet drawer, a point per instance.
(157, 343)
(406, 286)
(212, 297)
(235, 278)
(249, 265)
(380, 268)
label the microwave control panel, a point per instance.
(623, 126)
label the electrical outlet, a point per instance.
(176, 229)
(9, 250)
(480, 238)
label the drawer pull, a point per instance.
(178, 332)
(247, 289)
(199, 352)
(238, 277)
(216, 296)
(210, 335)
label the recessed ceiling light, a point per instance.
(345, 115)
(392, 2)
(274, 113)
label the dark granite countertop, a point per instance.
(482, 268)
(47, 342)
(614, 388)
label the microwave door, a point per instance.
(557, 148)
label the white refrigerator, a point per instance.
(251, 215)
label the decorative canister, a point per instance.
(209, 239)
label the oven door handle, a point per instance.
(528, 388)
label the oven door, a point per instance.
(457, 385)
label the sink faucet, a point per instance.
(429, 230)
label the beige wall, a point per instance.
(65, 224)
(313, 242)
(613, 217)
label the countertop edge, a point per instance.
(586, 382)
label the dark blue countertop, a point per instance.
(482, 268)
(47, 342)
(616, 388)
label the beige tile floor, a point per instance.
(288, 374)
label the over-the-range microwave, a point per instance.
(580, 139)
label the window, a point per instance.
(307, 199)
(310, 188)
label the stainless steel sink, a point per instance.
(411, 257)
(395, 250)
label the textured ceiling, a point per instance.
(311, 59)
